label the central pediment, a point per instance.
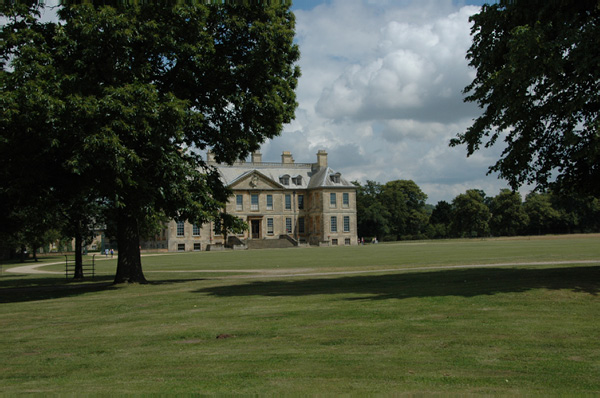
(254, 179)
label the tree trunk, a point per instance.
(78, 274)
(34, 250)
(129, 263)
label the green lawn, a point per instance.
(407, 325)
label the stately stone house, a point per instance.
(283, 204)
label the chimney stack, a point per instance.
(256, 157)
(286, 157)
(321, 158)
(210, 156)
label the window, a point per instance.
(239, 202)
(346, 199)
(333, 224)
(284, 179)
(346, 223)
(332, 200)
(334, 242)
(196, 230)
(335, 178)
(297, 180)
(300, 202)
(288, 225)
(269, 202)
(254, 201)
(347, 241)
(288, 202)
(181, 247)
(180, 228)
(197, 247)
(301, 225)
(269, 226)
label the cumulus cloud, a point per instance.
(381, 91)
(416, 72)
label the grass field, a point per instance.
(390, 318)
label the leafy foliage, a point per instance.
(440, 220)
(542, 216)
(372, 217)
(405, 201)
(133, 93)
(395, 209)
(470, 215)
(508, 215)
(537, 81)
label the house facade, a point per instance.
(302, 203)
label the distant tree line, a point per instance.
(397, 210)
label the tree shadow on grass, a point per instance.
(464, 283)
(13, 290)
(45, 288)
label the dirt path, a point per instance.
(33, 269)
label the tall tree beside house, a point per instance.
(372, 218)
(537, 82)
(143, 88)
(405, 203)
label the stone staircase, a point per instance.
(284, 241)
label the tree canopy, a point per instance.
(395, 209)
(130, 95)
(470, 215)
(509, 218)
(537, 81)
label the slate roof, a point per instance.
(312, 176)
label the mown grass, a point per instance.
(500, 330)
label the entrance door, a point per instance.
(255, 227)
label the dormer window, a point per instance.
(297, 180)
(335, 178)
(284, 179)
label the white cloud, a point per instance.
(415, 71)
(381, 92)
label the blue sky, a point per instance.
(381, 92)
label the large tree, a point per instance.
(508, 215)
(142, 89)
(543, 217)
(28, 152)
(537, 81)
(470, 215)
(440, 220)
(405, 203)
(372, 217)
